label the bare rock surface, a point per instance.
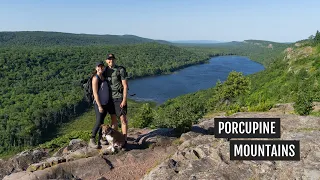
(21, 161)
(201, 156)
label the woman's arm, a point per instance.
(95, 91)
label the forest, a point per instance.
(49, 39)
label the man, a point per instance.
(117, 79)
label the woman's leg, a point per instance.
(103, 115)
(97, 127)
(99, 118)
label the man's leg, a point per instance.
(121, 113)
(124, 125)
(113, 115)
(114, 121)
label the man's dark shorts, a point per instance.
(119, 111)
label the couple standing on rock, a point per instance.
(110, 87)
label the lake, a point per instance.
(190, 79)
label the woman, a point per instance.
(101, 97)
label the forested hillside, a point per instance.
(40, 86)
(263, 52)
(40, 38)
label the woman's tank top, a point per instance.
(103, 92)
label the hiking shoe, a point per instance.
(125, 146)
(92, 143)
(103, 142)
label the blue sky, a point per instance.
(223, 20)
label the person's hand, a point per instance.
(123, 103)
(100, 109)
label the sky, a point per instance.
(221, 20)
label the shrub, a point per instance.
(262, 106)
(303, 104)
(143, 117)
(181, 117)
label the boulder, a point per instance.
(21, 161)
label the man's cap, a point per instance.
(99, 64)
(111, 56)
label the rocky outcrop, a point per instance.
(298, 53)
(146, 149)
(201, 156)
(21, 161)
(287, 108)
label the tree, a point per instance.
(317, 38)
(311, 37)
(303, 104)
(235, 85)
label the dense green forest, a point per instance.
(40, 38)
(40, 86)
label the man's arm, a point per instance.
(125, 90)
(124, 83)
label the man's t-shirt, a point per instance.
(115, 82)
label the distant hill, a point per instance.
(196, 42)
(41, 38)
(261, 51)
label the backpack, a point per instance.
(88, 92)
(119, 77)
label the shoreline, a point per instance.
(178, 69)
(182, 67)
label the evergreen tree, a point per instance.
(317, 38)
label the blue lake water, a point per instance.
(191, 79)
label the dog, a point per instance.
(115, 139)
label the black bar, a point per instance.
(242, 121)
(244, 155)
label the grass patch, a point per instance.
(82, 123)
(211, 114)
(177, 142)
(8, 154)
(315, 114)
